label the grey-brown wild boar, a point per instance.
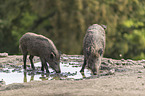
(93, 47)
(38, 45)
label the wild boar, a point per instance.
(93, 47)
(38, 45)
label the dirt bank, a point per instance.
(128, 82)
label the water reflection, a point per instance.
(42, 77)
(25, 77)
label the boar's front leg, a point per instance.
(44, 64)
(31, 60)
(84, 64)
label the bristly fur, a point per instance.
(93, 47)
(38, 45)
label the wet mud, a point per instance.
(117, 78)
(70, 65)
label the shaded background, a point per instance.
(66, 21)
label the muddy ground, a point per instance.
(126, 79)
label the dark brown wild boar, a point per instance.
(93, 47)
(38, 45)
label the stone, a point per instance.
(3, 54)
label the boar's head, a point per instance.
(94, 61)
(54, 61)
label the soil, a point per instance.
(127, 80)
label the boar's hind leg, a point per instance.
(24, 59)
(44, 64)
(84, 64)
(31, 60)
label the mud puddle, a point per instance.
(70, 67)
(70, 70)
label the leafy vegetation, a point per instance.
(66, 21)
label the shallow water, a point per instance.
(70, 67)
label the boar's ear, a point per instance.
(52, 56)
(104, 26)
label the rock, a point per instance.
(118, 63)
(129, 63)
(3, 54)
(1, 66)
(120, 70)
(142, 61)
(104, 67)
(1, 70)
(139, 77)
(6, 71)
(123, 63)
(110, 61)
(122, 60)
(139, 63)
(129, 60)
(105, 63)
(2, 82)
(111, 72)
(140, 71)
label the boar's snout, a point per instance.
(55, 66)
(94, 64)
(58, 69)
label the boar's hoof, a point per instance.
(95, 73)
(81, 70)
(58, 71)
